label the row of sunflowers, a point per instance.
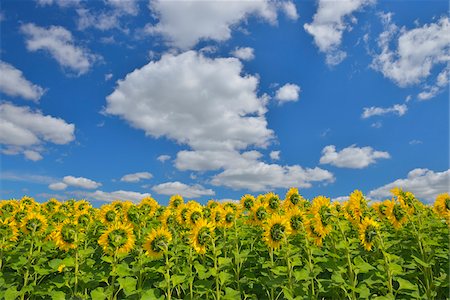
(262, 247)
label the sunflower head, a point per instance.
(117, 238)
(293, 198)
(66, 236)
(175, 201)
(442, 206)
(167, 218)
(396, 214)
(34, 223)
(194, 214)
(229, 217)
(108, 215)
(83, 219)
(157, 242)
(212, 204)
(321, 208)
(51, 206)
(132, 214)
(201, 236)
(273, 201)
(276, 230)
(8, 207)
(28, 201)
(295, 216)
(247, 202)
(217, 216)
(312, 232)
(259, 213)
(367, 232)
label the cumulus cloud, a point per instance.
(397, 109)
(418, 51)
(260, 176)
(60, 44)
(112, 196)
(188, 191)
(163, 158)
(288, 92)
(60, 3)
(136, 177)
(32, 155)
(290, 10)
(430, 91)
(14, 84)
(275, 155)
(329, 23)
(81, 182)
(425, 184)
(57, 186)
(184, 23)
(351, 157)
(23, 130)
(208, 105)
(244, 53)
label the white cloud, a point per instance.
(108, 76)
(329, 24)
(210, 107)
(244, 53)
(184, 23)
(129, 7)
(26, 177)
(176, 187)
(397, 109)
(431, 91)
(423, 183)
(60, 3)
(136, 177)
(82, 182)
(340, 199)
(288, 92)
(351, 157)
(259, 176)
(22, 129)
(32, 155)
(290, 10)
(419, 50)
(376, 124)
(13, 83)
(112, 196)
(275, 155)
(57, 186)
(207, 103)
(163, 158)
(59, 43)
(415, 142)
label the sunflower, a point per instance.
(396, 214)
(66, 236)
(108, 215)
(7, 208)
(51, 206)
(201, 235)
(247, 202)
(292, 198)
(406, 200)
(182, 211)
(132, 215)
(117, 239)
(194, 214)
(175, 201)
(8, 232)
(273, 201)
(354, 207)
(148, 206)
(83, 219)
(218, 216)
(82, 206)
(276, 230)
(442, 206)
(167, 218)
(380, 208)
(34, 222)
(321, 212)
(367, 232)
(212, 203)
(295, 216)
(259, 214)
(157, 241)
(229, 217)
(28, 202)
(311, 231)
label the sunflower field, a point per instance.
(263, 247)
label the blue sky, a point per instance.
(109, 100)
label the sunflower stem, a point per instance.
(169, 291)
(386, 264)
(351, 273)
(191, 275)
(216, 268)
(272, 265)
(27, 273)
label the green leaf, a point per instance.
(224, 277)
(231, 294)
(123, 270)
(177, 279)
(301, 275)
(55, 263)
(152, 294)
(406, 285)
(11, 293)
(58, 295)
(421, 262)
(361, 265)
(224, 261)
(98, 294)
(128, 284)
